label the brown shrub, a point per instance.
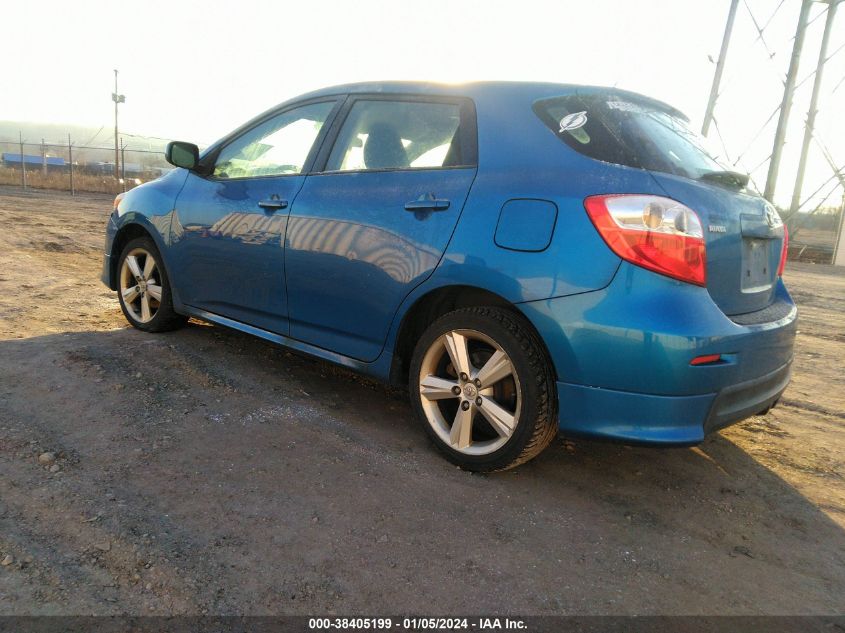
(61, 181)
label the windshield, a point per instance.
(628, 131)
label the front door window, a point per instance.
(277, 147)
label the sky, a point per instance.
(195, 70)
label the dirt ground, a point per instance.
(204, 471)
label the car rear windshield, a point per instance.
(627, 131)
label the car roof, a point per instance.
(481, 91)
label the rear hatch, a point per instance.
(742, 232)
(744, 236)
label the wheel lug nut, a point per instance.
(477, 382)
(456, 390)
(478, 401)
(465, 405)
(464, 376)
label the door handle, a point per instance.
(273, 204)
(427, 202)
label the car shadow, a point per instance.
(256, 480)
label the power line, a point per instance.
(91, 140)
(757, 135)
(818, 15)
(811, 74)
(813, 195)
(760, 30)
(774, 13)
(829, 158)
(761, 163)
(721, 139)
(94, 147)
(770, 56)
(728, 158)
(784, 106)
(801, 219)
(157, 138)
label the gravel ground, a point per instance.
(204, 471)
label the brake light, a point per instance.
(653, 232)
(784, 251)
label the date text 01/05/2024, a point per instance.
(417, 623)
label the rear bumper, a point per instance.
(622, 357)
(641, 418)
(737, 402)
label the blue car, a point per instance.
(527, 257)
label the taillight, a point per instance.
(784, 251)
(656, 233)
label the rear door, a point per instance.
(375, 221)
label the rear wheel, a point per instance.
(144, 288)
(482, 387)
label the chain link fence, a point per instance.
(813, 236)
(76, 168)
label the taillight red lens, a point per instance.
(783, 251)
(657, 233)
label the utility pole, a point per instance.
(786, 104)
(720, 67)
(23, 163)
(43, 158)
(811, 113)
(70, 163)
(117, 98)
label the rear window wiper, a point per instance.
(728, 178)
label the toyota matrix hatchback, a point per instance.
(526, 257)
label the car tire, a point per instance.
(143, 288)
(505, 392)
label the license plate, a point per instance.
(756, 265)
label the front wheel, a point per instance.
(144, 288)
(482, 387)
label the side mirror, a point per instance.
(181, 154)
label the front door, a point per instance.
(228, 228)
(374, 223)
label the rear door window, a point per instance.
(628, 131)
(382, 134)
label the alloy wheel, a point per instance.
(470, 392)
(140, 285)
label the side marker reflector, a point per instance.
(707, 359)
